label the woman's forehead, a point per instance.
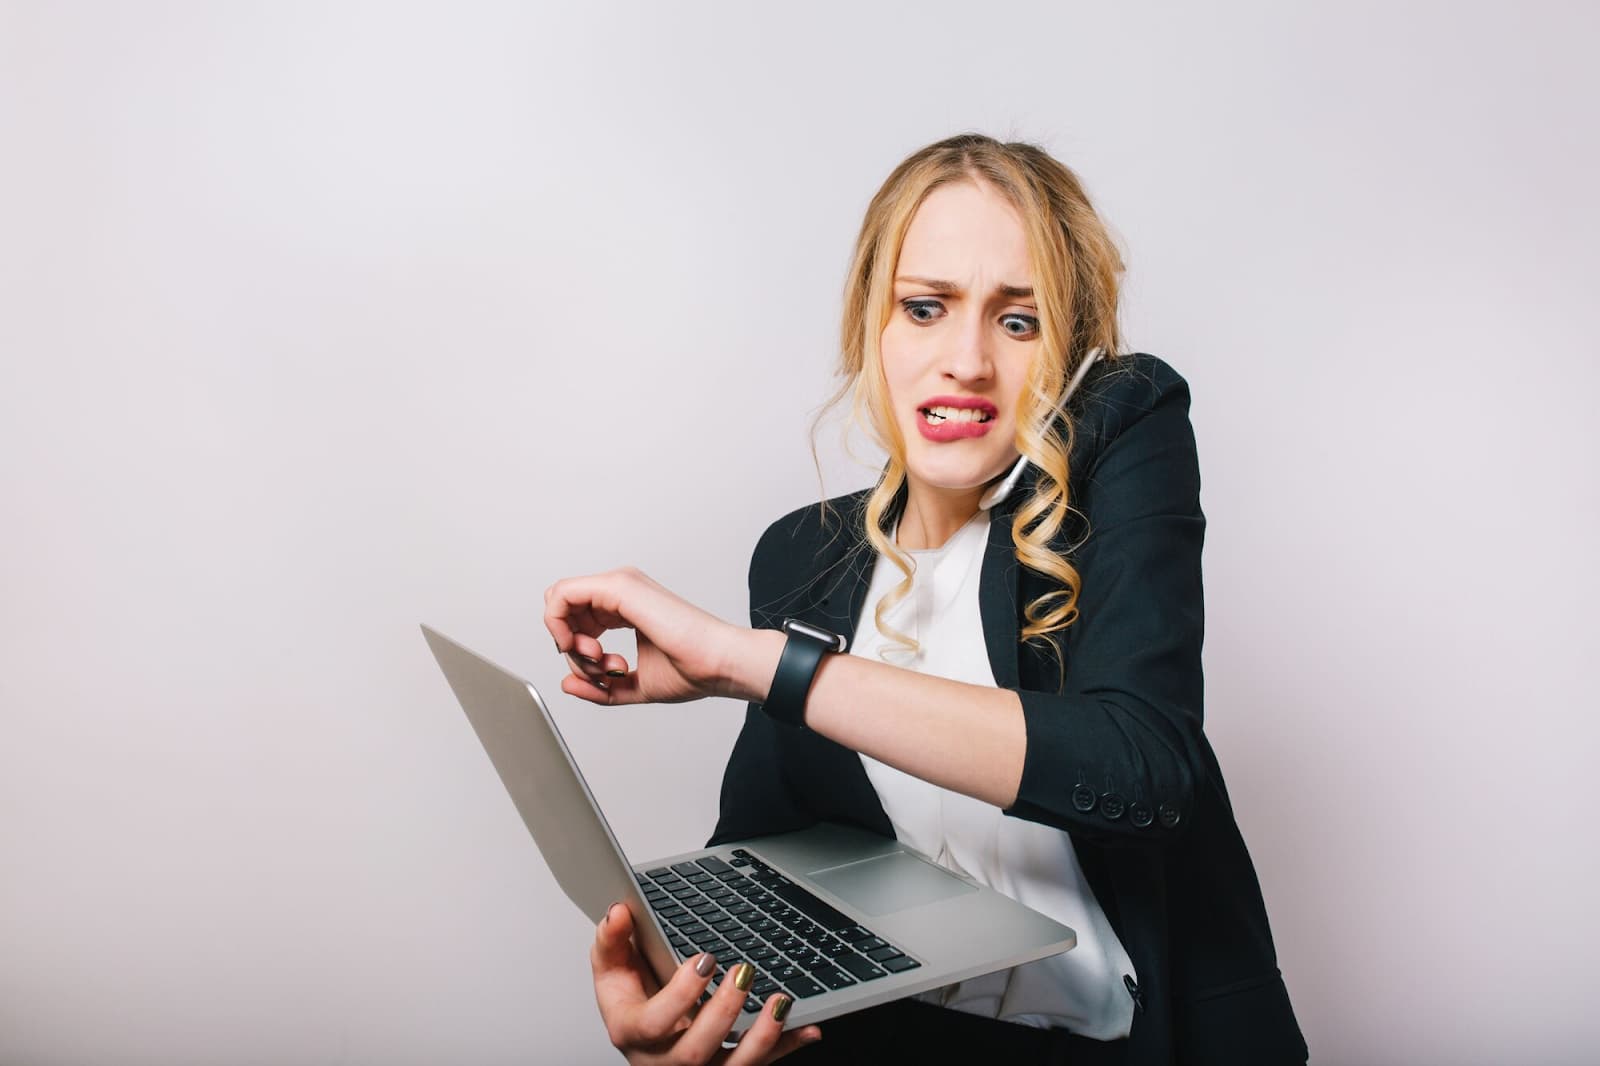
(963, 229)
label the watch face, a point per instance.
(795, 627)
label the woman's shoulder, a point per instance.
(815, 526)
(1128, 384)
(1118, 395)
(803, 555)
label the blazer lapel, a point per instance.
(997, 598)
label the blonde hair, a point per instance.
(1076, 277)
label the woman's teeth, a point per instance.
(935, 415)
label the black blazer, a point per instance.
(1115, 752)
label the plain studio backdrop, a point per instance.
(320, 321)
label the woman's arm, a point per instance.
(1118, 753)
(967, 738)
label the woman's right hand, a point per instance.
(651, 1025)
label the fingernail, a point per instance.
(811, 1038)
(616, 673)
(707, 963)
(609, 912)
(744, 975)
(585, 658)
(780, 1007)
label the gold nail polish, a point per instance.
(744, 975)
(616, 673)
(780, 1007)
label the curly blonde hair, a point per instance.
(1077, 271)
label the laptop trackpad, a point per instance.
(890, 882)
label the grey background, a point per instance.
(320, 321)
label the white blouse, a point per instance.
(1081, 990)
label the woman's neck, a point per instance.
(932, 516)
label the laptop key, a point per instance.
(834, 978)
(860, 968)
(712, 864)
(884, 954)
(853, 934)
(785, 974)
(804, 987)
(659, 871)
(762, 954)
(902, 964)
(872, 943)
(764, 987)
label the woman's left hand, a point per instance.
(684, 652)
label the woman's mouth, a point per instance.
(943, 422)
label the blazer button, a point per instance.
(1169, 816)
(1083, 798)
(1112, 806)
(1141, 815)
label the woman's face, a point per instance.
(958, 346)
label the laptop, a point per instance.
(838, 918)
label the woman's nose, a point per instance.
(970, 357)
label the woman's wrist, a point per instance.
(751, 663)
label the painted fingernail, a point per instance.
(744, 975)
(707, 963)
(616, 673)
(780, 1007)
(585, 658)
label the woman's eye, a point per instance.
(1019, 325)
(922, 310)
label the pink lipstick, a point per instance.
(943, 418)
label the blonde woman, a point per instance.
(1022, 692)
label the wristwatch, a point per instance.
(802, 654)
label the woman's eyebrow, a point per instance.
(950, 288)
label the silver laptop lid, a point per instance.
(526, 748)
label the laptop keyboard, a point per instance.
(743, 910)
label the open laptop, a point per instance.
(838, 918)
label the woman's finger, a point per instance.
(766, 1041)
(711, 1026)
(613, 948)
(665, 1012)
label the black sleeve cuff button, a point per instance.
(1112, 806)
(1141, 815)
(1083, 798)
(1169, 816)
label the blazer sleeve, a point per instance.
(1118, 754)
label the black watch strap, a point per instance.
(797, 667)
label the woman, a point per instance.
(1022, 697)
